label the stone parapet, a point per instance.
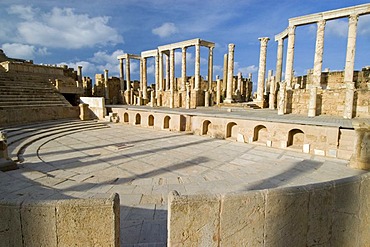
(333, 213)
(72, 222)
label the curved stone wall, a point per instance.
(335, 213)
(72, 222)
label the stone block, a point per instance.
(242, 219)
(320, 214)
(286, 217)
(90, 222)
(10, 225)
(38, 224)
(345, 226)
(332, 153)
(306, 148)
(240, 138)
(364, 214)
(319, 152)
(193, 220)
(269, 143)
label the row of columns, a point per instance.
(318, 60)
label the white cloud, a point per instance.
(245, 70)
(16, 50)
(364, 25)
(337, 27)
(63, 28)
(166, 30)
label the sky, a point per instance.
(93, 33)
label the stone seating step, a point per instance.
(22, 140)
(39, 102)
(30, 98)
(33, 106)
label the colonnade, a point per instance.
(320, 19)
(126, 90)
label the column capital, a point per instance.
(321, 23)
(231, 47)
(353, 18)
(291, 30)
(264, 40)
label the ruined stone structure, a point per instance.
(271, 178)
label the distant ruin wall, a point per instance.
(72, 222)
(32, 68)
(326, 214)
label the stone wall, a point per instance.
(329, 102)
(326, 214)
(96, 106)
(74, 222)
(32, 68)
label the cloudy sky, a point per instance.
(92, 33)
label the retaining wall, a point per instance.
(72, 222)
(335, 213)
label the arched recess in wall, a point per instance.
(166, 122)
(206, 127)
(232, 130)
(260, 134)
(151, 120)
(125, 117)
(295, 138)
(138, 119)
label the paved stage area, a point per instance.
(143, 165)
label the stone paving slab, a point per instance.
(143, 165)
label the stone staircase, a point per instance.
(30, 97)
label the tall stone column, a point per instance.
(210, 68)
(218, 90)
(183, 69)
(312, 102)
(319, 50)
(121, 75)
(156, 68)
(168, 72)
(262, 69)
(279, 61)
(290, 57)
(128, 76)
(272, 95)
(79, 75)
(224, 78)
(145, 80)
(239, 85)
(106, 87)
(230, 74)
(349, 67)
(172, 77)
(282, 98)
(197, 67)
(141, 75)
(160, 74)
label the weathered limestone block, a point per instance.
(10, 225)
(286, 217)
(361, 155)
(84, 112)
(242, 219)
(193, 220)
(364, 214)
(38, 224)
(88, 222)
(345, 226)
(320, 211)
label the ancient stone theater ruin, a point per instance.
(188, 161)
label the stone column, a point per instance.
(183, 69)
(224, 78)
(262, 69)
(187, 100)
(218, 90)
(172, 77)
(168, 71)
(230, 74)
(79, 75)
(290, 57)
(319, 50)
(141, 75)
(210, 68)
(312, 102)
(267, 84)
(128, 76)
(206, 98)
(239, 86)
(282, 95)
(272, 95)
(349, 67)
(279, 61)
(121, 75)
(106, 87)
(160, 71)
(197, 68)
(145, 80)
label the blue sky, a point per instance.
(92, 33)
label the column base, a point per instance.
(260, 103)
(228, 101)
